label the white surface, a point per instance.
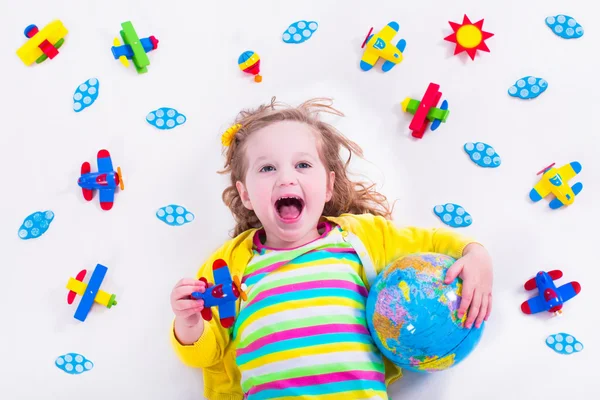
(195, 70)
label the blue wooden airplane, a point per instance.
(223, 294)
(549, 298)
(106, 180)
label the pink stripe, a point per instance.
(302, 332)
(330, 283)
(320, 380)
(264, 270)
(273, 267)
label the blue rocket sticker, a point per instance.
(73, 363)
(483, 154)
(299, 31)
(453, 215)
(174, 215)
(165, 118)
(528, 87)
(86, 94)
(563, 343)
(36, 224)
(564, 26)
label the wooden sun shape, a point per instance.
(468, 37)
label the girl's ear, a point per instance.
(330, 183)
(241, 188)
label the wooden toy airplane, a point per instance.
(90, 293)
(549, 298)
(42, 44)
(555, 181)
(105, 180)
(223, 294)
(426, 111)
(378, 45)
(134, 49)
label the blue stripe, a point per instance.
(316, 390)
(298, 343)
(313, 256)
(296, 296)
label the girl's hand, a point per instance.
(185, 307)
(475, 269)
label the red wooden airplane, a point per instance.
(426, 111)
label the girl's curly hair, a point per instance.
(348, 196)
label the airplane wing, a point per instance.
(568, 171)
(104, 161)
(389, 31)
(540, 190)
(227, 313)
(368, 60)
(107, 197)
(533, 305)
(430, 99)
(221, 272)
(569, 290)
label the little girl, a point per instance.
(308, 243)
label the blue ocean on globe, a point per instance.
(413, 315)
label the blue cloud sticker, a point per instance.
(453, 215)
(36, 224)
(563, 343)
(86, 94)
(174, 215)
(483, 154)
(564, 26)
(299, 31)
(165, 118)
(528, 87)
(73, 363)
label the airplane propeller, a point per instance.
(241, 287)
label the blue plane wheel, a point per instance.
(29, 29)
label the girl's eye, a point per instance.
(267, 168)
(303, 165)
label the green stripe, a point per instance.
(293, 297)
(290, 255)
(339, 275)
(306, 343)
(301, 323)
(313, 370)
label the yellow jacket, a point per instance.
(377, 242)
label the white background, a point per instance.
(43, 143)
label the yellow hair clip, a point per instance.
(229, 134)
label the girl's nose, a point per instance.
(287, 178)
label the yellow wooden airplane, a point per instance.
(42, 44)
(555, 181)
(379, 45)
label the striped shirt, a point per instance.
(302, 333)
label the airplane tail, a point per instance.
(85, 169)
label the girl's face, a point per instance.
(286, 183)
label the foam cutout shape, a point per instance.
(165, 118)
(528, 87)
(564, 26)
(174, 215)
(563, 343)
(483, 154)
(299, 31)
(36, 224)
(86, 94)
(453, 215)
(73, 363)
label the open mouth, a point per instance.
(289, 208)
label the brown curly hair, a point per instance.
(348, 196)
